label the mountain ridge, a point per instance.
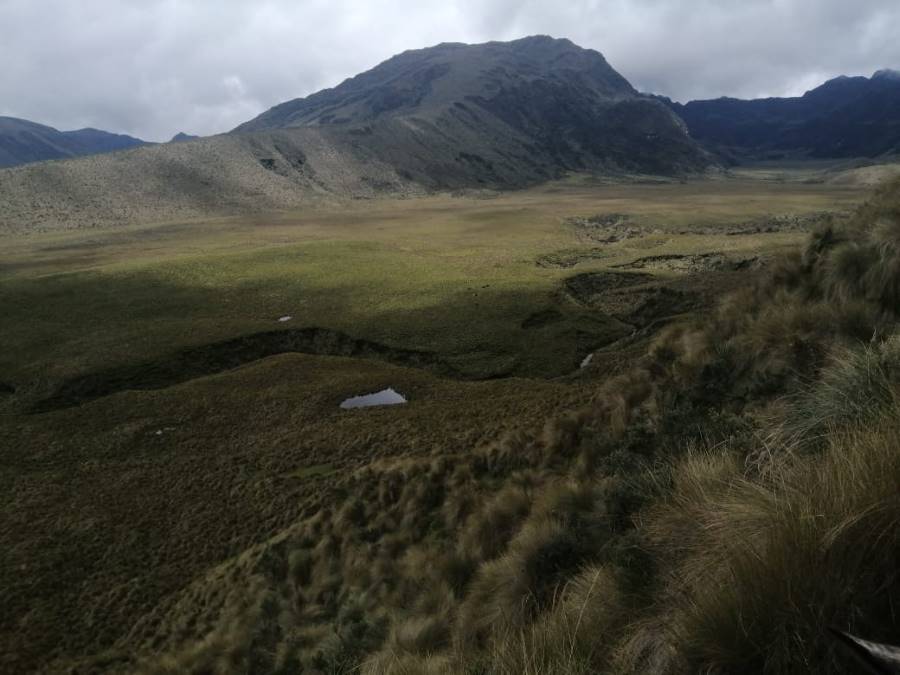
(846, 116)
(23, 141)
(539, 101)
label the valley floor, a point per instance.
(169, 394)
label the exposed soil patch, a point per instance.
(692, 263)
(566, 259)
(542, 318)
(657, 305)
(590, 288)
(784, 223)
(215, 358)
(610, 228)
(634, 298)
(643, 306)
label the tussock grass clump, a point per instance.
(756, 571)
(489, 531)
(508, 593)
(572, 637)
(847, 270)
(858, 385)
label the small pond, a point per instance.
(383, 397)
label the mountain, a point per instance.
(419, 82)
(503, 113)
(844, 117)
(181, 137)
(22, 142)
(496, 115)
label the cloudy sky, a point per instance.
(154, 67)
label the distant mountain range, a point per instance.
(22, 141)
(562, 107)
(497, 115)
(456, 115)
(845, 117)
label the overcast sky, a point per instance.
(154, 67)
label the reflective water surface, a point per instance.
(383, 397)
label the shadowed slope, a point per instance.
(844, 117)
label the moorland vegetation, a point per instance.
(715, 508)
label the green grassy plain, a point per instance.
(111, 508)
(450, 275)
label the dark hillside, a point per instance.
(531, 104)
(845, 117)
(22, 142)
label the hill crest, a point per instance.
(846, 116)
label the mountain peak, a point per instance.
(536, 106)
(887, 74)
(423, 81)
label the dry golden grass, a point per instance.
(754, 572)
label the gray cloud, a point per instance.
(154, 67)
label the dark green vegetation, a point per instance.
(845, 117)
(22, 142)
(182, 492)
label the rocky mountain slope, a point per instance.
(845, 117)
(497, 115)
(22, 142)
(224, 175)
(512, 112)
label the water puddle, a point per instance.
(283, 319)
(383, 397)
